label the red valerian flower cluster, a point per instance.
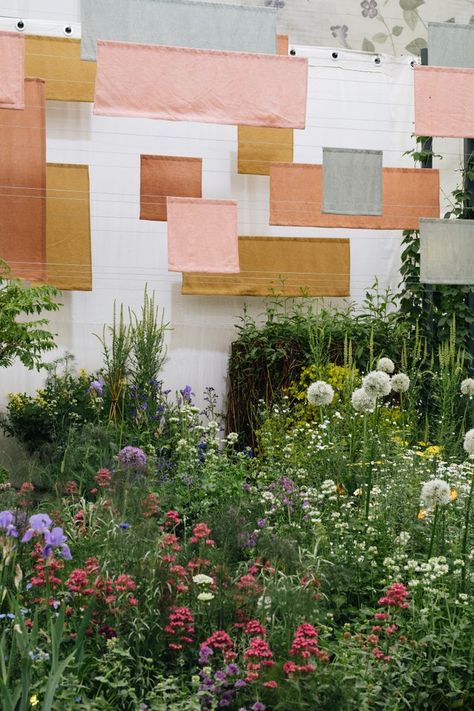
(395, 596)
(201, 532)
(304, 646)
(258, 655)
(180, 626)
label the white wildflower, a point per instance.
(202, 579)
(469, 441)
(362, 401)
(400, 383)
(467, 387)
(435, 491)
(205, 597)
(377, 384)
(386, 365)
(232, 437)
(320, 393)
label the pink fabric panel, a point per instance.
(444, 102)
(202, 235)
(12, 70)
(208, 86)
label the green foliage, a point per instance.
(24, 338)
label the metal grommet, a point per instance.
(20, 25)
(335, 55)
(413, 63)
(292, 52)
(378, 60)
(67, 30)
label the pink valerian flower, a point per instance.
(258, 655)
(172, 519)
(304, 646)
(180, 626)
(151, 506)
(71, 488)
(395, 596)
(219, 640)
(103, 478)
(201, 532)
(254, 627)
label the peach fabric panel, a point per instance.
(68, 235)
(296, 195)
(202, 235)
(23, 181)
(208, 86)
(167, 176)
(282, 44)
(12, 74)
(58, 61)
(258, 147)
(289, 266)
(444, 102)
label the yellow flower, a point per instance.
(421, 515)
(433, 451)
(454, 494)
(34, 700)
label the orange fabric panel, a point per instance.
(282, 44)
(296, 196)
(167, 176)
(288, 266)
(23, 182)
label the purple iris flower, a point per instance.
(6, 522)
(56, 539)
(97, 386)
(39, 523)
(187, 393)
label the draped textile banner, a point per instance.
(202, 235)
(296, 196)
(450, 45)
(352, 181)
(23, 182)
(282, 44)
(68, 237)
(447, 251)
(58, 61)
(167, 176)
(258, 147)
(288, 266)
(181, 23)
(444, 102)
(181, 84)
(12, 50)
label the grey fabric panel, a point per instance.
(450, 45)
(180, 23)
(446, 251)
(352, 181)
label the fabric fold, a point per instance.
(182, 84)
(12, 74)
(447, 252)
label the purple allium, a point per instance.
(240, 683)
(258, 706)
(6, 522)
(39, 523)
(97, 387)
(219, 675)
(132, 458)
(245, 487)
(261, 522)
(56, 539)
(232, 669)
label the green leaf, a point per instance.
(411, 18)
(411, 4)
(416, 45)
(380, 37)
(397, 30)
(367, 45)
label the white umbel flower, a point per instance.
(202, 579)
(362, 401)
(467, 387)
(400, 383)
(435, 491)
(205, 597)
(386, 365)
(469, 441)
(377, 384)
(320, 393)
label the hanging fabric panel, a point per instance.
(258, 147)
(180, 23)
(68, 237)
(287, 266)
(352, 181)
(202, 235)
(447, 251)
(12, 74)
(181, 84)
(296, 196)
(58, 61)
(444, 102)
(167, 176)
(450, 45)
(23, 183)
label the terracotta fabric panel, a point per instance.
(12, 52)
(207, 86)
(258, 147)
(282, 44)
(296, 196)
(167, 176)
(290, 266)
(202, 235)
(68, 237)
(444, 102)
(58, 61)
(447, 252)
(23, 182)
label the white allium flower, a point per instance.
(469, 441)
(386, 365)
(320, 393)
(362, 401)
(400, 383)
(377, 384)
(202, 579)
(205, 597)
(435, 491)
(467, 387)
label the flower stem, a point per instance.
(465, 533)
(433, 531)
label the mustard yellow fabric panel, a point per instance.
(258, 147)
